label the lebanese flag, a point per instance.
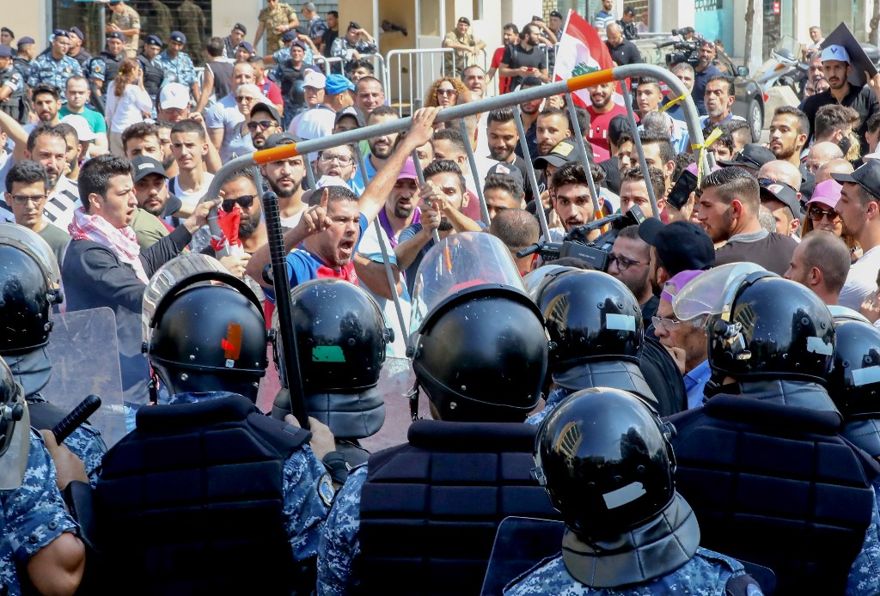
(581, 51)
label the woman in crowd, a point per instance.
(127, 102)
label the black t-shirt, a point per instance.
(701, 79)
(663, 377)
(515, 56)
(772, 252)
(625, 53)
(861, 99)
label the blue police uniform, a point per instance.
(179, 69)
(557, 394)
(706, 574)
(339, 540)
(45, 69)
(33, 516)
(864, 575)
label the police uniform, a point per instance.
(23, 66)
(83, 57)
(269, 496)
(104, 67)
(15, 105)
(379, 535)
(154, 77)
(45, 69)
(271, 17)
(33, 516)
(179, 69)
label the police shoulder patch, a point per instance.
(325, 490)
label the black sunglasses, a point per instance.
(244, 202)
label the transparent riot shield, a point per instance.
(459, 262)
(395, 384)
(520, 544)
(713, 292)
(84, 352)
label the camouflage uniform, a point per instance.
(270, 17)
(192, 24)
(177, 70)
(45, 69)
(128, 19)
(158, 20)
(864, 575)
(557, 394)
(339, 539)
(706, 574)
(33, 516)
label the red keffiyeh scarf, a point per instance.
(122, 241)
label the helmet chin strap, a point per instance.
(413, 396)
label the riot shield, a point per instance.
(713, 292)
(520, 544)
(84, 352)
(395, 383)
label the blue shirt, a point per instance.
(340, 545)
(695, 382)
(557, 394)
(303, 266)
(179, 69)
(45, 69)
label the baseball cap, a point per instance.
(867, 176)
(782, 192)
(351, 111)
(678, 281)
(680, 245)
(6, 52)
(562, 153)
(408, 171)
(144, 165)
(153, 40)
(178, 37)
(752, 156)
(508, 170)
(266, 107)
(23, 41)
(315, 79)
(173, 95)
(240, 27)
(556, 13)
(322, 183)
(835, 52)
(336, 84)
(278, 139)
(84, 132)
(247, 47)
(288, 35)
(116, 35)
(826, 192)
(78, 32)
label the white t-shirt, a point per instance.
(861, 280)
(127, 109)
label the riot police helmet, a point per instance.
(29, 287)
(854, 382)
(14, 430)
(606, 462)
(203, 328)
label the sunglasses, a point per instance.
(818, 214)
(244, 202)
(262, 124)
(447, 92)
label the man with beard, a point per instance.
(503, 139)
(836, 65)
(530, 110)
(380, 147)
(47, 104)
(327, 248)
(240, 192)
(632, 262)
(704, 70)
(263, 122)
(402, 207)
(285, 178)
(788, 134)
(151, 191)
(728, 209)
(78, 96)
(570, 198)
(551, 128)
(524, 59)
(602, 109)
(859, 210)
(718, 100)
(634, 190)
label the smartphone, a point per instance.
(682, 189)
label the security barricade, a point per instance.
(408, 73)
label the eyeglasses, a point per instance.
(340, 159)
(663, 322)
(818, 214)
(244, 202)
(447, 92)
(262, 124)
(623, 263)
(25, 199)
(243, 98)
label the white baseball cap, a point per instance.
(84, 132)
(315, 79)
(173, 95)
(835, 52)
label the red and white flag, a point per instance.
(581, 51)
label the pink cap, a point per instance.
(408, 170)
(826, 192)
(674, 285)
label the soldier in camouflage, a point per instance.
(55, 66)
(193, 25)
(275, 19)
(157, 20)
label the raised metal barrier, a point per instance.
(327, 63)
(415, 71)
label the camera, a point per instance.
(575, 243)
(684, 51)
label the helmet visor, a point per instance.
(712, 293)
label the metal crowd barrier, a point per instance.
(459, 112)
(418, 76)
(327, 63)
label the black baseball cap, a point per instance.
(144, 165)
(867, 176)
(561, 154)
(782, 192)
(278, 139)
(507, 170)
(681, 245)
(753, 156)
(266, 107)
(351, 112)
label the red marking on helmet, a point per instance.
(231, 344)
